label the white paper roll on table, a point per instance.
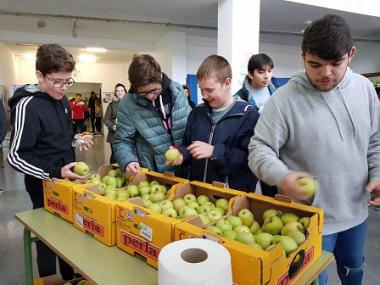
(194, 261)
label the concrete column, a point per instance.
(238, 35)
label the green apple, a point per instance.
(246, 217)
(145, 196)
(164, 189)
(291, 226)
(305, 222)
(214, 230)
(111, 196)
(144, 190)
(204, 219)
(297, 236)
(166, 204)
(234, 221)
(264, 240)
(254, 227)
(95, 177)
(271, 212)
(143, 183)
(153, 182)
(256, 245)
(179, 203)
(272, 225)
(244, 237)
(110, 189)
(133, 190)
(231, 234)
(104, 179)
(214, 215)
(220, 210)
(188, 212)
(102, 188)
(112, 173)
(170, 212)
(118, 172)
(147, 203)
(223, 225)
(289, 217)
(111, 181)
(172, 154)
(188, 198)
(155, 207)
(242, 229)
(204, 209)
(156, 196)
(201, 199)
(288, 244)
(222, 203)
(83, 282)
(120, 181)
(194, 205)
(81, 168)
(309, 185)
(122, 195)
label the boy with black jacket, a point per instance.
(217, 134)
(42, 137)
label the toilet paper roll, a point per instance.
(194, 262)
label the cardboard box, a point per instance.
(58, 197)
(143, 232)
(258, 267)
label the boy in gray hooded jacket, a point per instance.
(324, 123)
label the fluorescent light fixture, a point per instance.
(29, 56)
(87, 58)
(95, 49)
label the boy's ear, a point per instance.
(39, 76)
(227, 82)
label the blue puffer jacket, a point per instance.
(230, 138)
(140, 134)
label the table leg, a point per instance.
(28, 263)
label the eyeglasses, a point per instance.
(61, 83)
(155, 91)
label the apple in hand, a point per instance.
(81, 168)
(309, 185)
(172, 154)
(246, 217)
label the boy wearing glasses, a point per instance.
(215, 143)
(42, 136)
(151, 118)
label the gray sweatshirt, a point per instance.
(333, 135)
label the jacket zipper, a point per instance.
(209, 141)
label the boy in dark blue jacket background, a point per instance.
(217, 134)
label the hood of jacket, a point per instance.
(26, 91)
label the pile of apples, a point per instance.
(287, 229)
(190, 205)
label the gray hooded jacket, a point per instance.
(333, 135)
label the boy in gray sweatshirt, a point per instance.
(324, 123)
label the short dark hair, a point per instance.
(53, 58)
(328, 38)
(144, 69)
(258, 61)
(215, 65)
(120, 85)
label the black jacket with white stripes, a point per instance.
(41, 133)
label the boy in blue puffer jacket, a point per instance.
(217, 134)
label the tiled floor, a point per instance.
(14, 199)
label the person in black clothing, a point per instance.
(91, 110)
(187, 92)
(218, 132)
(42, 137)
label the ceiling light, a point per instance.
(87, 58)
(95, 49)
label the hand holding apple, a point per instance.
(289, 185)
(173, 156)
(67, 172)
